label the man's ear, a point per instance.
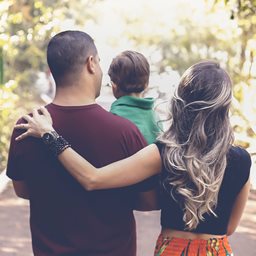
(91, 64)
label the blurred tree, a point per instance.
(243, 11)
(184, 39)
(25, 28)
(1, 66)
(8, 101)
(224, 31)
(164, 30)
(27, 25)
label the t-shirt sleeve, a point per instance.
(245, 166)
(135, 142)
(14, 170)
(159, 146)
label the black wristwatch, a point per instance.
(55, 142)
(50, 137)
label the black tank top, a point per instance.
(236, 175)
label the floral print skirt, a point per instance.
(197, 247)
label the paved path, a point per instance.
(15, 237)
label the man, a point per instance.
(65, 219)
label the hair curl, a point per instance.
(198, 140)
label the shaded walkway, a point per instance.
(15, 237)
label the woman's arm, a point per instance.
(131, 170)
(238, 208)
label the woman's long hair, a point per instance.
(198, 140)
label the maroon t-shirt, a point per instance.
(65, 219)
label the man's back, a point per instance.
(66, 219)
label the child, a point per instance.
(129, 74)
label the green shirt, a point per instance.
(140, 112)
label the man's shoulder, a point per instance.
(16, 132)
(97, 119)
(121, 127)
(120, 122)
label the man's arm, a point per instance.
(21, 189)
(15, 170)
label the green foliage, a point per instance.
(175, 39)
(1, 66)
(25, 28)
(8, 102)
(225, 31)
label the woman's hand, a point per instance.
(36, 125)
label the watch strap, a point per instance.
(58, 144)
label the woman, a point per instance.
(204, 179)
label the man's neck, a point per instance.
(72, 97)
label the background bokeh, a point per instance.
(171, 34)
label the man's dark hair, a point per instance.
(130, 72)
(67, 53)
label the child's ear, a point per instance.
(115, 90)
(114, 86)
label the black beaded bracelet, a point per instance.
(59, 145)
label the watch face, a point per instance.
(47, 138)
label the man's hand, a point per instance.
(36, 125)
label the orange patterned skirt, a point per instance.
(197, 247)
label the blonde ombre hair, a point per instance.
(198, 140)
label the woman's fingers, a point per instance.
(45, 112)
(22, 126)
(35, 113)
(36, 125)
(28, 118)
(23, 136)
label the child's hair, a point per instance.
(130, 72)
